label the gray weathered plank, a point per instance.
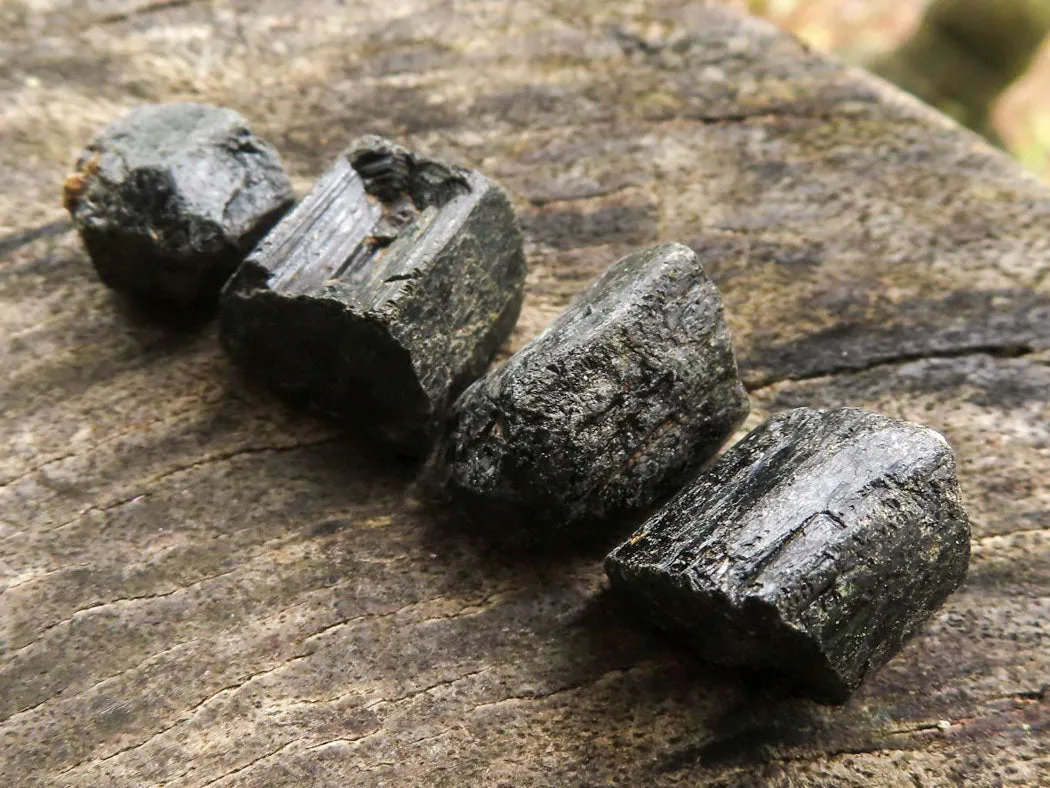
(201, 586)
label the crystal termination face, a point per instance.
(170, 198)
(382, 294)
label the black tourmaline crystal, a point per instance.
(382, 294)
(171, 197)
(815, 547)
(630, 390)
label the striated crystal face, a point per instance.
(383, 293)
(815, 547)
(631, 389)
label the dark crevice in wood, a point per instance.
(142, 10)
(996, 351)
(766, 114)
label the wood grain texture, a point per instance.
(202, 587)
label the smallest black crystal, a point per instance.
(170, 198)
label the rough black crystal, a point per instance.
(815, 547)
(630, 390)
(170, 198)
(382, 294)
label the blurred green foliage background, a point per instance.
(984, 62)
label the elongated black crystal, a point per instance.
(382, 294)
(630, 390)
(815, 547)
(171, 197)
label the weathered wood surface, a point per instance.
(202, 587)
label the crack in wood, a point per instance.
(471, 609)
(247, 766)
(143, 10)
(406, 697)
(276, 614)
(41, 575)
(185, 714)
(88, 450)
(568, 688)
(192, 466)
(1003, 351)
(394, 702)
(111, 603)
